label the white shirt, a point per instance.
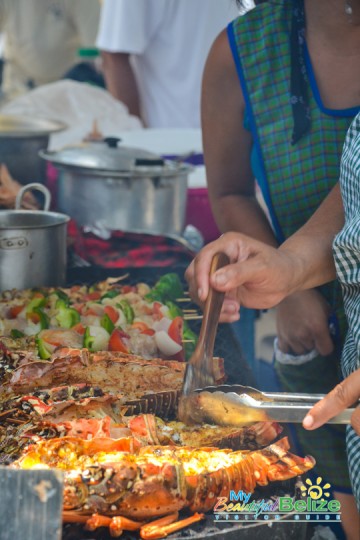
(42, 38)
(169, 41)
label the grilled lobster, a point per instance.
(106, 480)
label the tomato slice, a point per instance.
(90, 312)
(116, 342)
(96, 295)
(176, 333)
(112, 313)
(176, 329)
(143, 328)
(127, 288)
(79, 328)
(157, 313)
(33, 317)
(148, 332)
(79, 307)
(14, 311)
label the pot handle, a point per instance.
(36, 187)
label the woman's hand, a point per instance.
(302, 324)
(259, 275)
(230, 311)
(342, 396)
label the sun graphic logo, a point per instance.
(316, 501)
(316, 491)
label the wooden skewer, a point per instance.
(188, 340)
(15, 421)
(183, 300)
(8, 412)
(190, 311)
(192, 317)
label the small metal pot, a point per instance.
(21, 139)
(119, 188)
(32, 245)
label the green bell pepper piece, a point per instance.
(110, 294)
(88, 341)
(15, 334)
(66, 317)
(127, 310)
(61, 304)
(62, 296)
(44, 319)
(107, 323)
(174, 310)
(42, 350)
(37, 302)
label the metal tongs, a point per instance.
(201, 401)
(238, 405)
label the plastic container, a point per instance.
(199, 214)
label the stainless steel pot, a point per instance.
(32, 245)
(21, 139)
(119, 188)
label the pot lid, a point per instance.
(23, 126)
(108, 155)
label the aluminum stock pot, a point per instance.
(21, 139)
(121, 188)
(32, 245)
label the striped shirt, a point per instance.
(347, 259)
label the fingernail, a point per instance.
(220, 279)
(308, 421)
(231, 308)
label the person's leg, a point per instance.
(350, 518)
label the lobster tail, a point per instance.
(276, 463)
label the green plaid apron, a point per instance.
(294, 179)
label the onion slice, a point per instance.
(163, 324)
(165, 344)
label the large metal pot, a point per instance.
(32, 245)
(21, 139)
(121, 188)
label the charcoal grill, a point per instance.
(237, 371)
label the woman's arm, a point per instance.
(313, 243)
(227, 146)
(260, 276)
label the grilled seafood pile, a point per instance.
(122, 471)
(106, 418)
